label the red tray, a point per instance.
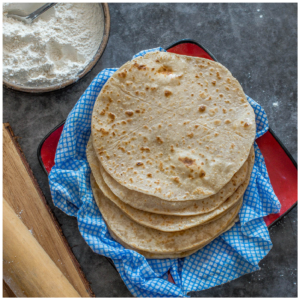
(281, 166)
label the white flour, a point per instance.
(55, 47)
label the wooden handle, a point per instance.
(27, 268)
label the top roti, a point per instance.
(173, 126)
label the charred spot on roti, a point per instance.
(160, 166)
(123, 74)
(103, 131)
(146, 149)
(168, 93)
(187, 161)
(139, 67)
(122, 149)
(159, 140)
(129, 113)
(202, 174)
(139, 164)
(166, 70)
(111, 116)
(202, 108)
(176, 179)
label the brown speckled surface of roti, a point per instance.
(172, 255)
(172, 126)
(167, 223)
(116, 192)
(154, 241)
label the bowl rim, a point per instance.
(87, 69)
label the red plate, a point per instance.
(281, 166)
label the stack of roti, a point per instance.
(171, 153)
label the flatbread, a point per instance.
(170, 255)
(115, 192)
(155, 205)
(154, 241)
(180, 208)
(172, 126)
(167, 223)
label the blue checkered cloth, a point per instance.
(233, 254)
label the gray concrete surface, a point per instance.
(258, 43)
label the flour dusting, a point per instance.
(54, 48)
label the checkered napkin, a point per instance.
(233, 254)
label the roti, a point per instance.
(154, 241)
(171, 255)
(181, 208)
(116, 192)
(172, 126)
(167, 223)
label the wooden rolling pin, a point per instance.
(27, 268)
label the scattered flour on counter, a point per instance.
(55, 47)
(275, 104)
(19, 214)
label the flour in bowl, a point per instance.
(55, 47)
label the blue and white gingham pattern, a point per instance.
(233, 254)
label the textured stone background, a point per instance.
(258, 43)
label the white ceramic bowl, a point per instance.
(82, 73)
